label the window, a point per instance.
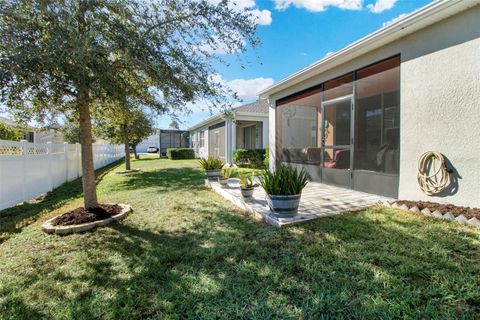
(377, 117)
(297, 130)
(376, 121)
(202, 139)
(249, 137)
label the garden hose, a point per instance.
(433, 176)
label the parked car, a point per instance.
(152, 149)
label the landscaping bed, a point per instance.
(82, 215)
(81, 220)
(434, 206)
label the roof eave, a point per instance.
(206, 122)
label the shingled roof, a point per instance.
(259, 106)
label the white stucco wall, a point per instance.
(440, 102)
(440, 111)
(200, 152)
(203, 152)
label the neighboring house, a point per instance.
(152, 140)
(246, 128)
(172, 137)
(44, 136)
(37, 135)
(361, 117)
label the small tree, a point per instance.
(60, 56)
(9, 133)
(128, 128)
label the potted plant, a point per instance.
(283, 187)
(247, 185)
(212, 165)
(224, 176)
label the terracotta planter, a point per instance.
(247, 192)
(213, 175)
(223, 182)
(284, 206)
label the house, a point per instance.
(36, 135)
(220, 135)
(361, 117)
(173, 137)
(162, 139)
(152, 140)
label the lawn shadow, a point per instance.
(14, 219)
(341, 267)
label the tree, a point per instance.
(129, 128)
(9, 133)
(71, 130)
(60, 56)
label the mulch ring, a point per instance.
(82, 215)
(432, 206)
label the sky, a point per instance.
(295, 34)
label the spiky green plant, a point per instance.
(226, 173)
(284, 180)
(246, 180)
(211, 163)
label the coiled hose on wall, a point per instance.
(433, 176)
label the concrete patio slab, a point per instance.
(318, 201)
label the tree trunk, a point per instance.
(127, 147)
(135, 152)
(88, 175)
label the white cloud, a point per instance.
(259, 17)
(200, 110)
(389, 22)
(319, 5)
(262, 17)
(329, 53)
(247, 89)
(381, 5)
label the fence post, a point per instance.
(23, 144)
(65, 151)
(49, 162)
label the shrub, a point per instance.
(211, 163)
(180, 153)
(285, 180)
(266, 160)
(249, 158)
(9, 133)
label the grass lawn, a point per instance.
(184, 252)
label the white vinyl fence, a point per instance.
(28, 170)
